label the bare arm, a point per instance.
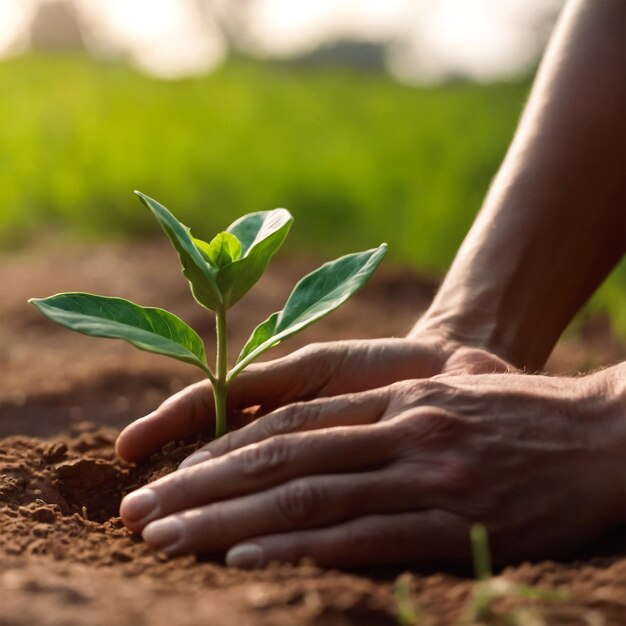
(554, 222)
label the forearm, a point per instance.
(552, 225)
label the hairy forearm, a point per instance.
(552, 225)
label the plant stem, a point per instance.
(480, 552)
(220, 387)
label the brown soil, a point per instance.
(65, 558)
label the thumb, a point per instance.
(298, 376)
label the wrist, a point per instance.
(497, 328)
(460, 351)
(464, 329)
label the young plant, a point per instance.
(480, 608)
(488, 589)
(408, 612)
(220, 273)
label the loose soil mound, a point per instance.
(65, 557)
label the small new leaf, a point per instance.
(200, 274)
(261, 235)
(315, 296)
(147, 328)
(222, 250)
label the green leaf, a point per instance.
(198, 272)
(150, 329)
(315, 296)
(223, 249)
(261, 235)
(262, 335)
(248, 227)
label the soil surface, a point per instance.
(65, 557)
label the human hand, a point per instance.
(316, 371)
(401, 472)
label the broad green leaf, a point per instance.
(198, 272)
(261, 235)
(223, 249)
(315, 296)
(247, 227)
(150, 329)
(262, 335)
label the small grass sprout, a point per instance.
(480, 608)
(220, 272)
(409, 614)
(489, 588)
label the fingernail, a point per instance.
(245, 556)
(195, 458)
(163, 534)
(138, 504)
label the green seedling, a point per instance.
(408, 612)
(480, 608)
(220, 273)
(489, 588)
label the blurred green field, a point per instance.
(358, 159)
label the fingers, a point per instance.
(425, 536)
(301, 503)
(189, 411)
(297, 376)
(259, 467)
(263, 532)
(327, 369)
(346, 410)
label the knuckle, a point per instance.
(294, 417)
(426, 390)
(299, 501)
(311, 349)
(320, 361)
(261, 457)
(362, 402)
(423, 392)
(403, 388)
(425, 426)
